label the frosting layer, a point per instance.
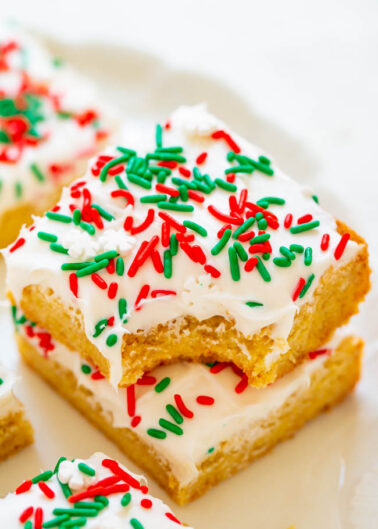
(185, 220)
(8, 402)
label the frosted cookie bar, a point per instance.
(188, 243)
(192, 425)
(15, 430)
(51, 123)
(97, 493)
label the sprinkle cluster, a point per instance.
(89, 502)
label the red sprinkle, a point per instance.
(157, 262)
(24, 487)
(218, 367)
(305, 218)
(135, 421)
(49, 493)
(242, 385)
(99, 491)
(145, 224)
(74, 284)
(172, 517)
(319, 352)
(230, 178)
(182, 408)
(184, 171)
(298, 289)
(17, 245)
(250, 264)
(223, 217)
(99, 281)
(146, 503)
(165, 234)
(106, 482)
(161, 188)
(288, 220)
(123, 193)
(223, 229)
(168, 218)
(168, 164)
(201, 158)
(143, 293)
(324, 242)
(341, 246)
(214, 272)
(97, 375)
(26, 514)
(112, 292)
(195, 196)
(38, 518)
(130, 396)
(157, 293)
(116, 469)
(221, 134)
(205, 400)
(146, 380)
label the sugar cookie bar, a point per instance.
(97, 493)
(188, 243)
(51, 123)
(15, 430)
(192, 425)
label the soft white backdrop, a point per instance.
(301, 80)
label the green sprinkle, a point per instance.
(122, 307)
(74, 266)
(240, 251)
(87, 227)
(152, 199)
(104, 214)
(305, 227)
(195, 227)
(106, 255)
(126, 499)
(297, 248)
(287, 253)
(77, 522)
(175, 207)
(163, 156)
(86, 369)
(221, 243)
(184, 194)
(315, 198)
(1, 381)
(176, 415)
(211, 450)
(89, 504)
(100, 327)
(58, 248)
(49, 237)
(76, 217)
(4, 138)
(308, 256)
(164, 383)
(234, 263)
(259, 215)
(44, 476)
(65, 489)
(58, 217)
(86, 469)
(283, 262)
(260, 238)
(227, 186)
(263, 159)
(139, 181)
(262, 270)
(253, 304)
(28, 525)
(307, 285)
(125, 150)
(111, 340)
(103, 499)
(18, 189)
(262, 224)
(37, 172)
(92, 267)
(173, 244)
(244, 227)
(120, 183)
(272, 200)
(135, 524)
(180, 182)
(120, 266)
(60, 460)
(76, 512)
(159, 136)
(240, 169)
(175, 150)
(112, 163)
(158, 434)
(167, 264)
(170, 426)
(56, 522)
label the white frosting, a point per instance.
(8, 402)
(65, 143)
(198, 294)
(113, 516)
(232, 414)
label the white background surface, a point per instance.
(301, 80)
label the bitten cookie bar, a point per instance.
(15, 430)
(51, 123)
(192, 425)
(188, 243)
(97, 493)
